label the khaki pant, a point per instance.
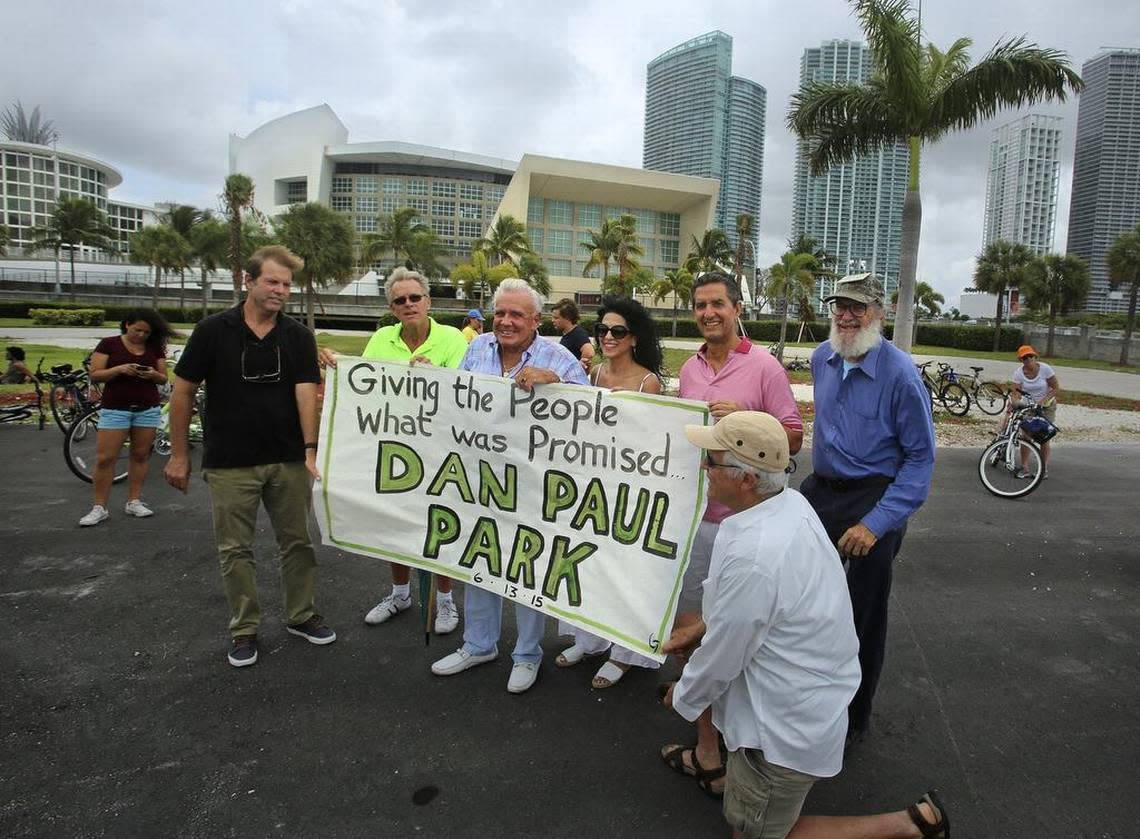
(762, 800)
(235, 495)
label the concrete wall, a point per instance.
(1083, 342)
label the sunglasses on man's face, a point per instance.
(601, 330)
(408, 298)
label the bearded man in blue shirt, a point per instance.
(873, 458)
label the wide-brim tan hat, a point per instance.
(754, 437)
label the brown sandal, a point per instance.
(939, 829)
(674, 757)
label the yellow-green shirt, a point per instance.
(470, 334)
(445, 345)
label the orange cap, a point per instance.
(1025, 350)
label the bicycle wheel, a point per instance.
(1000, 467)
(990, 398)
(955, 399)
(80, 448)
(66, 407)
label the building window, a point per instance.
(366, 184)
(342, 203)
(559, 267)
(472, 211)
(559, 212)
(670, 224)
(443, 208)
(389, 204)
(474, 229)
(495, 193)
(537, 236)
(420, 205)
(589, 215)
(340, 183)
(296, 192)
(442, 189)
(366, 224)
(367, 204)
(648, 246)
(558, 242)
(472, 192)
(646, 222)
(534, 211)
(393, 186)
(669, 249)
(443, 227)
(417, 186)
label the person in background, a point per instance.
(627, 340)
(417, 337)
(130, 366)
(775, 654)
(564, 316)
(18, 372)
(1036, 381)
(473, 325)
(260, 370)
(872, 460)
(514, 350)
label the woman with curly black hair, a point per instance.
(130, 366)
(631, 355)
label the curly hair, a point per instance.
(647, 351)
(160, 331)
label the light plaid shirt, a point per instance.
(483, 357)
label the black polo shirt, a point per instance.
(574, 340)
(251, 405)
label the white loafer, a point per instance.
(459, 661)
(523, 676)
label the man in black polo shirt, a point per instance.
(564, 316)
(261, 375)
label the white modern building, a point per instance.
(981, 305)
(1021, 186)
(33, 178)
(306, 156)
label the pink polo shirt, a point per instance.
(753, 379)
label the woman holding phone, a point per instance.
(130, 366)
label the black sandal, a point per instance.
(930, 830)
(675, 759)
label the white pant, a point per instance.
(591, 644)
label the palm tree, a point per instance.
(237, 197)
(1123, 260)
(927, 301)
(5, 237)
(480, 274)
(396, 232)
(74, 222)
(602, 245)
(791, 278)
(1001, 266)
(209, 241)
(1057, 283)
(917, 95)
(161, 246)
(745, 249)
(708, 253)
(823, 260)
(533, 270)
(20, 128)
(505, 242)
(626, 252)
(424, 251)
(677, 282)
(184, 218)
(324, 239)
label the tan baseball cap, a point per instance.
(754, 437)
(862, 288)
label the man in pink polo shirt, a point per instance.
(731, 374)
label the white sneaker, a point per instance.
(96, 515)
(446, 617)
(137, 509)
(523, 676)
(459, 661)
(386, 608)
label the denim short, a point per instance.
(111, 419)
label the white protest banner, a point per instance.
(581, 503)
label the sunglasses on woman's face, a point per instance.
(407, 298)
(601, 330)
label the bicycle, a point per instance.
(73, 394)
(950, 395)
(990, 397)
(1000, 466)
(21, 411)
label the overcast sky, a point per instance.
(155, 88)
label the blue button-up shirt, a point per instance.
(874, 421)
(483, 357)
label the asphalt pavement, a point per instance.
(1010, 684)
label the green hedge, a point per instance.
(66, 317)
(963, 336)
(23, 309)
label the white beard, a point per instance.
(859, 344)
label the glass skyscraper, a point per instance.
(854, 210)
(1106, 167)
(701, 120)
(1021, 187)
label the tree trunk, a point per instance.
(71, 251)
(1130, 323)
(235, 252)
(205, 294)
(154, 293)
(182, 288)
(674, 314)
(997, 325)
(1052, 326)
(908, 253)
(783, 330)
(309, 306)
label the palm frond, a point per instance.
(892, 34)
(843, 121)
(1013, 74)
